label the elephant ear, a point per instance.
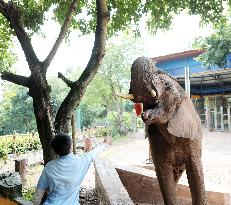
(185, 122)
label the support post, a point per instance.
(207, 117)
(188, 75)
(207, 112)
(229, 117)
(21, 167)
(187, 80)
(222, 118)
(215, 117)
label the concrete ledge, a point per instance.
(109, 186)
(137, 185)
(10, 185)
(143, 187)
(11, 190)
(22, 201)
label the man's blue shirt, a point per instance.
(63, 176)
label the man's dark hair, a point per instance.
(61, 144)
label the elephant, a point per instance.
(173, 128)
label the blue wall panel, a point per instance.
(176, 67)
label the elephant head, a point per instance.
(163, 99)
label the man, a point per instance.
(63, 176)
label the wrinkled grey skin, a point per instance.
(173, 129)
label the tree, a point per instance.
(23, 18)
(216, 46)
(113, 78)
(20, 18)
(14, 114)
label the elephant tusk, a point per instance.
(153, 93)
(125, 96)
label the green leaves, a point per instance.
(217, 46)
(128, 13)
(15, 115)
(7, 57)
(124, 14)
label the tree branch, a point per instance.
(61, 36)
(17, 79)
(76, 93)
(98, 50)
(65, 80)
(11, 13)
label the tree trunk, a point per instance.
(42, 111)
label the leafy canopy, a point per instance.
(124, 14)
(216, 46)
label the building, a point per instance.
(209, 87)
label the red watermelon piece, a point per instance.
(139, 109)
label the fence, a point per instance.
(218, 118)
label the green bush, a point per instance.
(120, 128)
(18, 145)
(103, 132)
(3, 152)
(28, 193)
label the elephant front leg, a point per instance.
(195, 177)
(164, 172)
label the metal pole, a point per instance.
(188, 75)
(185, 80)
(222, 118)
(215, 117)
(229, 117)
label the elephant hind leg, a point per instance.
(195, 177)
(167, 183)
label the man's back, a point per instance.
(63, 177)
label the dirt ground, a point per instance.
(134, 151)
(216, 158)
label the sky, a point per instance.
(77, 53)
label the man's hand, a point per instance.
(107, 140)
(87, 144)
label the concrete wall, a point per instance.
(109, 186)
(11, 190)
(143, 187)
(136, 185)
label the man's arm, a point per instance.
(100, 148)
(91, 155)
(37, 197)
(40, 189)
